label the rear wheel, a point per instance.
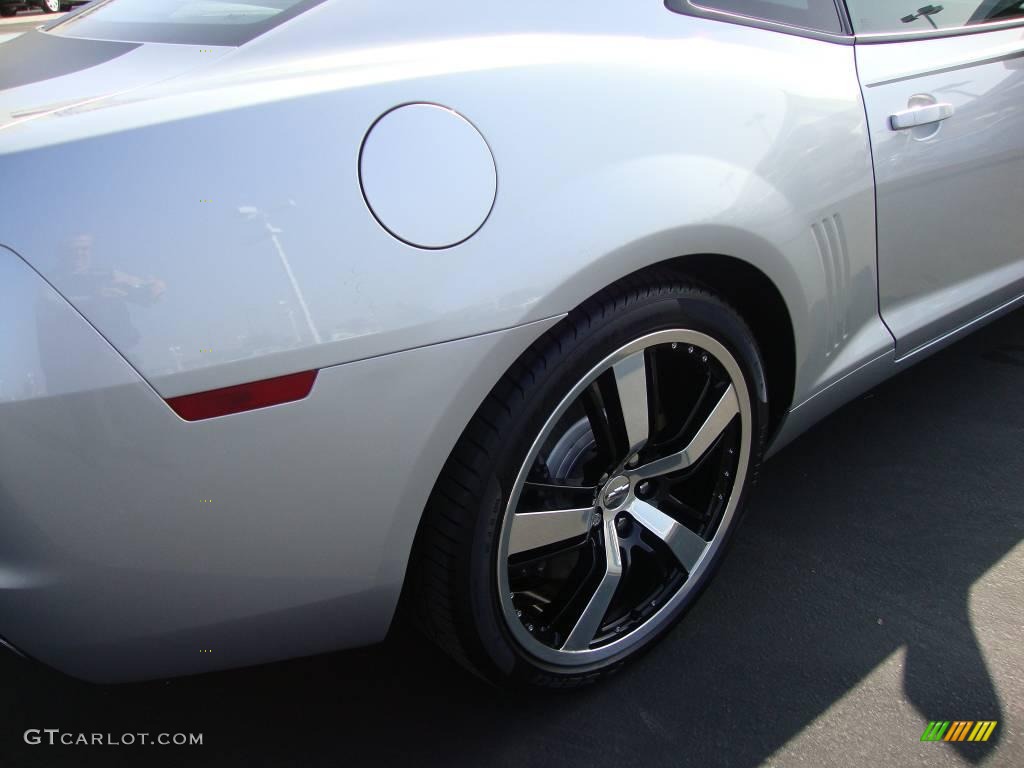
(50, 6)
(7, 10)
(591, 497)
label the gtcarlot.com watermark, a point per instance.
(55, 736)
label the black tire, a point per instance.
(49, 6)
(7, 11)
(453, 582)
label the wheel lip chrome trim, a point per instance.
(571, 658)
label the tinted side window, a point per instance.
(195, 22)
(894, 16)
(820, 15)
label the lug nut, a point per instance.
(643, 489)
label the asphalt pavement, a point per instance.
(876, 584)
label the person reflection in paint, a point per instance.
(102, 294)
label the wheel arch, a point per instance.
(755, 296)
(747, 288)
(447, 558)
(761, 285)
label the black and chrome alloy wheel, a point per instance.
(622, 500)
(591, 497)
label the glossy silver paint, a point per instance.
(130, 538)
(950, 237)
(212, 230)
(766, 170)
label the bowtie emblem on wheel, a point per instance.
(616, 493)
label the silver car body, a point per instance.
(219, 188)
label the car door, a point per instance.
(943, 88)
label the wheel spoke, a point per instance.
(531, 530)
(604, 438)
(631, 384)
(686, 545)
(589, 622)
(537, 496)
(656, 405)
(678, 509)
(721, 416)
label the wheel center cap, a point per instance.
(615, 492)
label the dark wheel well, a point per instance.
(752, 293)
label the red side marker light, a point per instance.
(243, 397)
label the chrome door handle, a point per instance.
(923, 115)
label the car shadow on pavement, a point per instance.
(864, 541)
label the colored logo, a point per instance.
(959, 730)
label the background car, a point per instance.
(503, 340)
(47, 6)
